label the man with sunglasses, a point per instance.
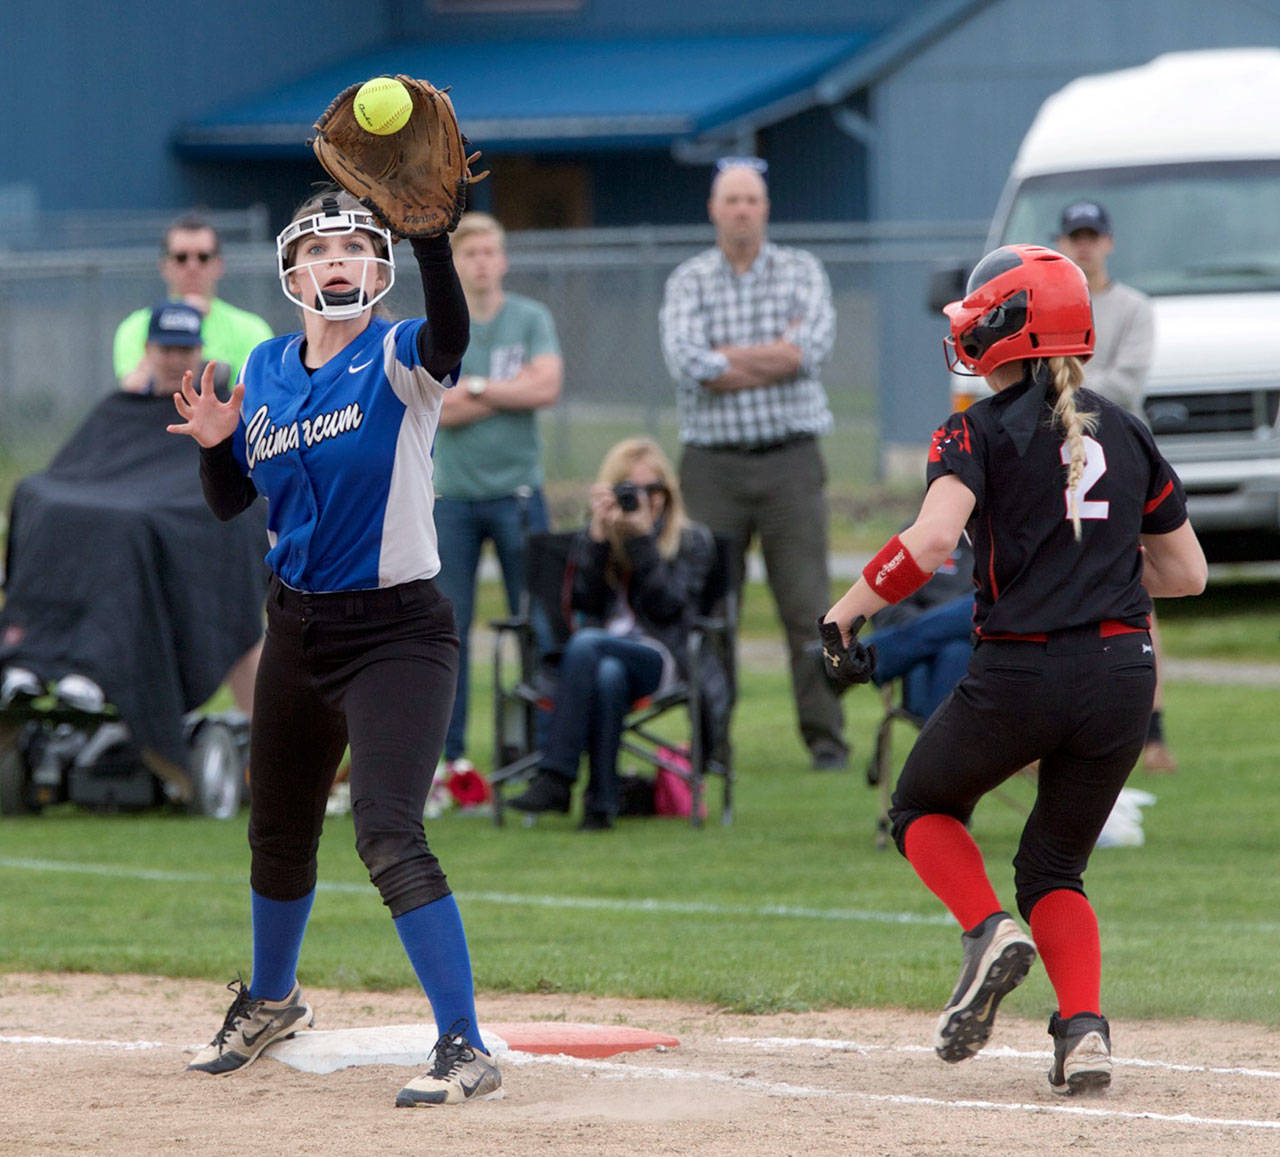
(191, 267)
(746, 327)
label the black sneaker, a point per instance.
(250, 1026)
(1081, 1054)
(547, 792)
(596, 822)
(461, 1072)
(997, 957)
(828, 757)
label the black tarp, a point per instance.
(116, 569)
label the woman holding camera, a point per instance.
(638, 570)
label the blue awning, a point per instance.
(552, 94)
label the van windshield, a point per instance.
(1188, 228)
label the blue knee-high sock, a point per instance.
(278, 926)
(437, 947)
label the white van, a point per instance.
(1184, 153)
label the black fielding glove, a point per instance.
(845, 666)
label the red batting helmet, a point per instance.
(1022, 301)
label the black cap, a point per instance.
(1084, 215)
(175, 323)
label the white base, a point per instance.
(327, 1050)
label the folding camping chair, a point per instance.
(880, 765)
(880, 768)
(525, 683)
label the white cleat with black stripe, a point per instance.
(249, 1027)
(461, 1072)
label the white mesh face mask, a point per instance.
(332, 221)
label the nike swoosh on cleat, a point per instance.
(250, 1040)
(468, 1089)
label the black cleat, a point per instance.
(1081, 1054)
(997, 957)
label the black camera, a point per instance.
(628, 496)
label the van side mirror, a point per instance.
(946, 284)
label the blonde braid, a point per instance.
(1068, 376)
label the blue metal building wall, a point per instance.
(105, 85)
(91, 92)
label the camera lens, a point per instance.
(628, 496)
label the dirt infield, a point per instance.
(94, 1064)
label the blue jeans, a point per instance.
(930, 653)
(601, 675)
(462, 525)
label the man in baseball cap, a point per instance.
(1085, 215)
(173, 346)
(1124, 331)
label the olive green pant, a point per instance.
(779, 496)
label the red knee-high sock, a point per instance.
(1065, 930)
(948, 861)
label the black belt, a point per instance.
(348, 604)
(760, 447)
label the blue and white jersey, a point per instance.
(343, 456)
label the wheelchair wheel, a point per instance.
(13, 781)
(217, 772)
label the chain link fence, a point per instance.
(59, 309)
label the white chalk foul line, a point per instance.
(615, 1070)
(989, 1054)
(73, 1042)
(783, 1089)
(510, 899)
(583, 903)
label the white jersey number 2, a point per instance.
(1095, 466)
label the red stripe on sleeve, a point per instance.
(991, 562)
(935, 443)
(1159, 498)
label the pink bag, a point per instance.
(672, 795)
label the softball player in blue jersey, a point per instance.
(334, 424)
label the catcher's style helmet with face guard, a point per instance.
(1021, 301)
(333, 219)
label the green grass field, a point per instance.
(791, 907)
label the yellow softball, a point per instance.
(383, 105)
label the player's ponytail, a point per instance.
(1068, 376)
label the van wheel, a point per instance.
(13, 782)
(217, 772)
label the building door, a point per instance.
(529, 194)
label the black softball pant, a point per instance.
(376, 669)
(1079, 704)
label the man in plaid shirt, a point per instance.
(745, 328)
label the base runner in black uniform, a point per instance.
(1076, 520)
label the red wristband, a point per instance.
(893, 573)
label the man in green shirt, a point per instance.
(191, 268)
(488, 454)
